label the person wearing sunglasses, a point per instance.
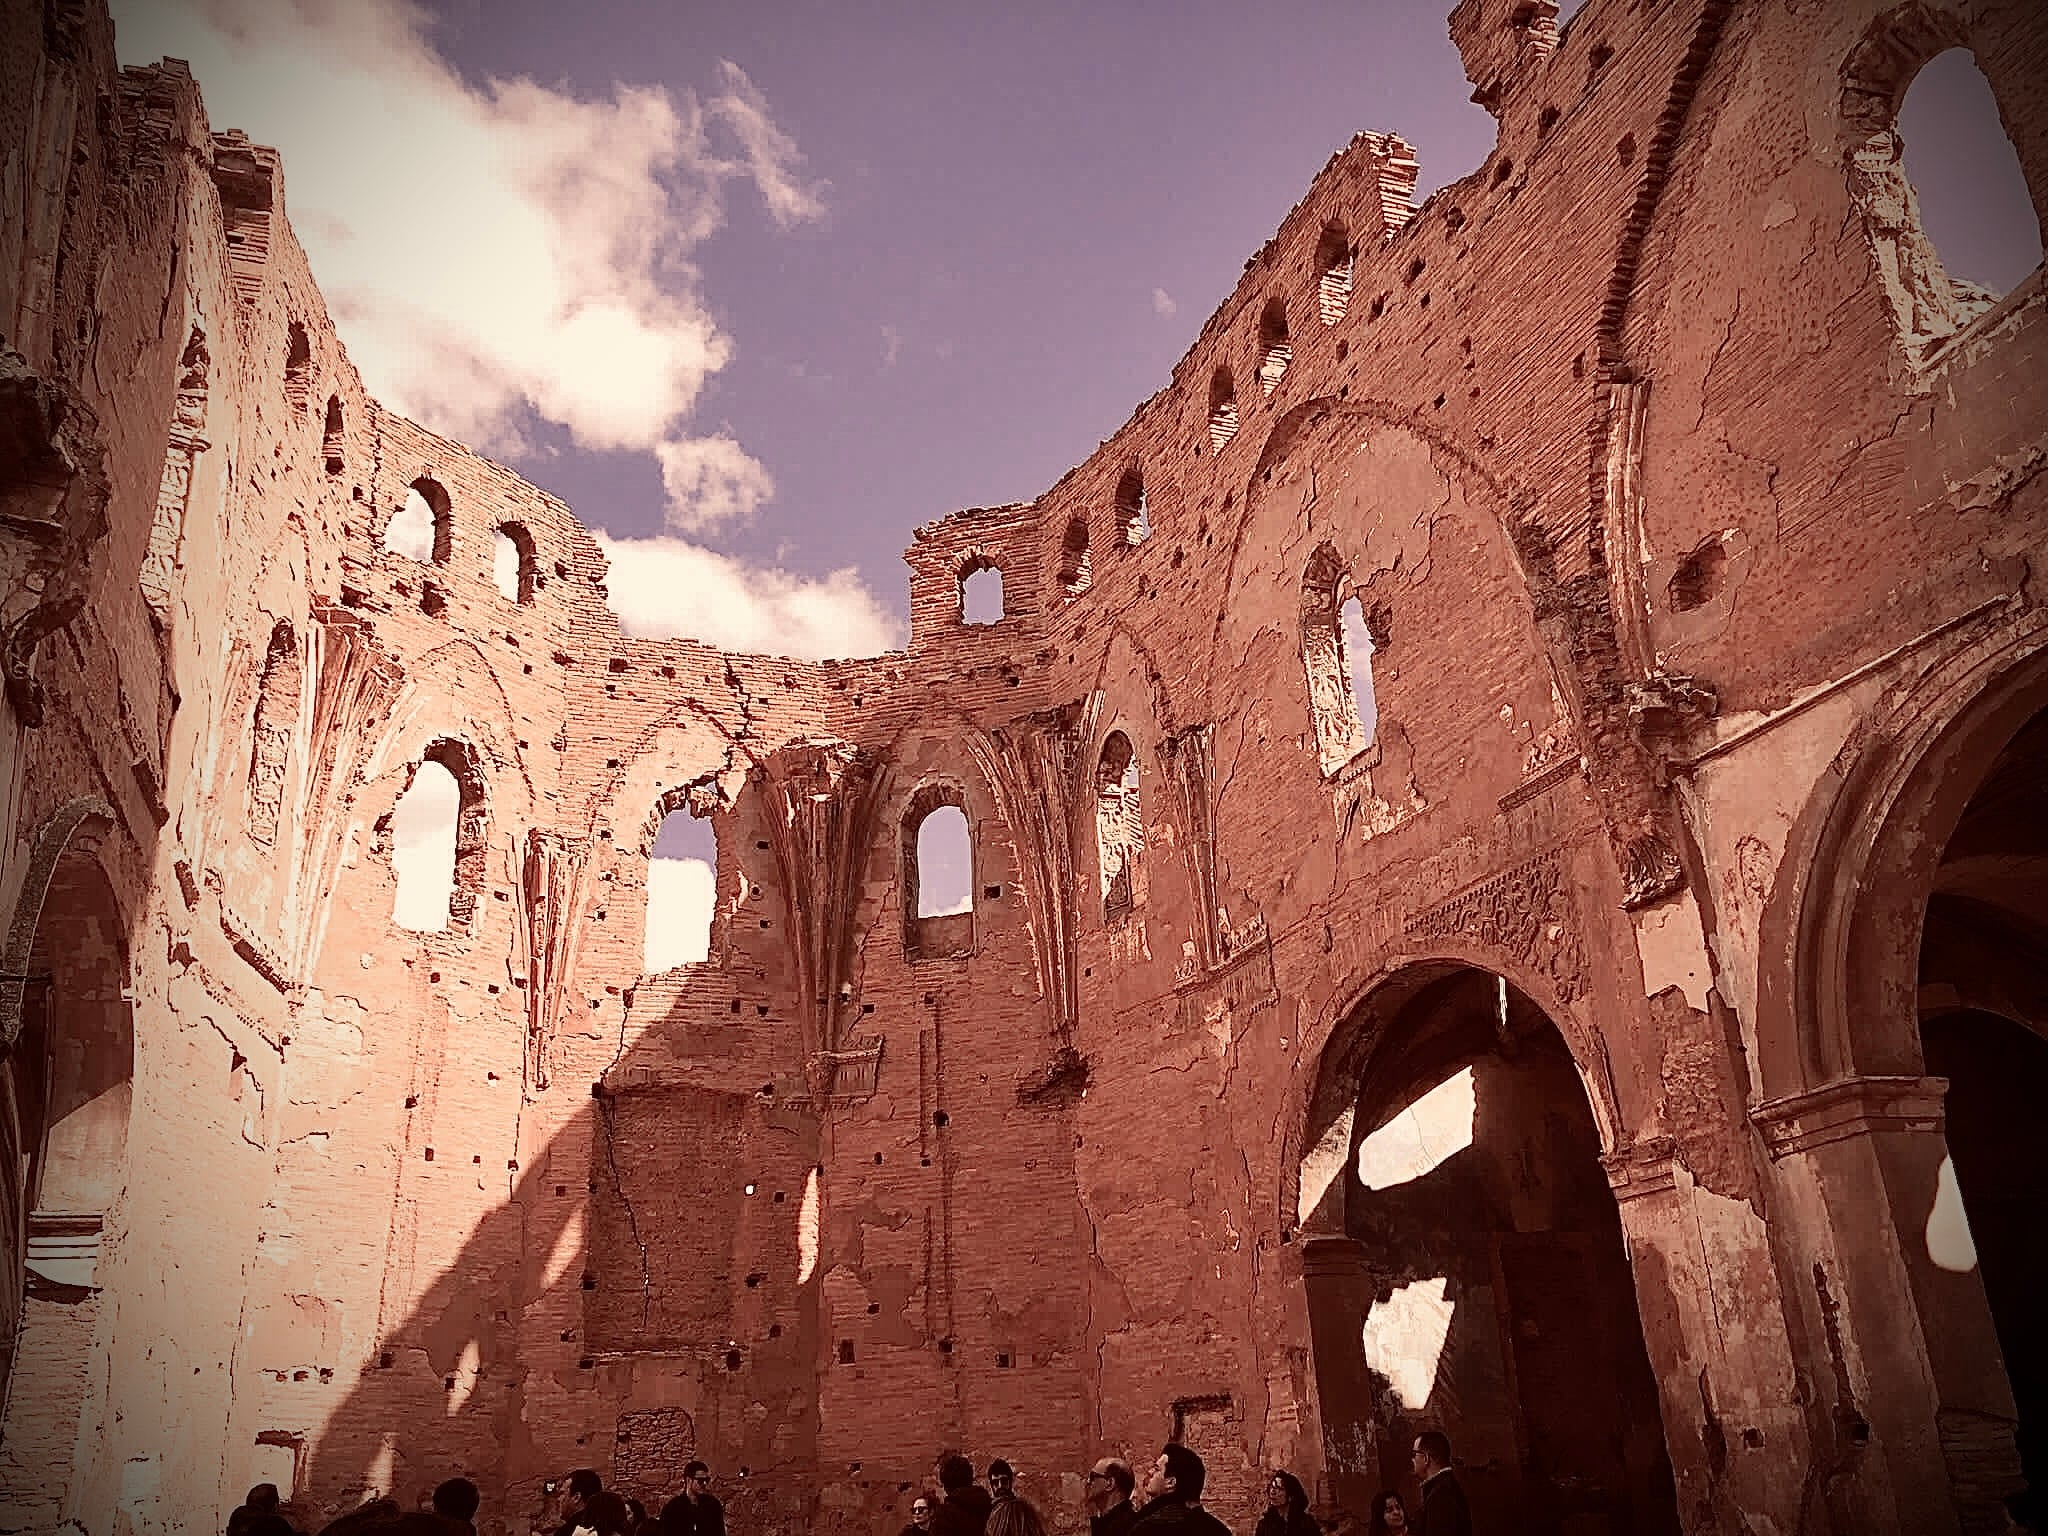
(694, 1512)
(1108, 1498)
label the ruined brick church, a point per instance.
(1571, 654)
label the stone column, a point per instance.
(1902, 1351)
(1339, 1293)
(1713, 1319)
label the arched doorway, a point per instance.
(1465, 1266)
(1983, 997)
(68, 1086)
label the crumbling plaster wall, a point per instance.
(479, 1200)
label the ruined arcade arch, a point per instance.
(938, 873)
(1119, 824)
(1900, 1002)
(68, 1082)
(1463, 1261)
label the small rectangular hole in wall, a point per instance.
(846, 1351)
(993, 892)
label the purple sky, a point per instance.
(920, 258)
(1008, 185)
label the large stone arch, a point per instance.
(1915, 1400)
(1510, 1279)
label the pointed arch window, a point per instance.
(277, 717)
(1222, 409)
(682, 890)
(1133, 512)
(1337, 649)
(1333, 273)
(437, 834)
(514, 564)
(1119, 824)
(1276, 351)
(938, 874)
(1076, 566)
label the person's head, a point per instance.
(1177, 1476)
(1110, 1482)
(583, 1485)
(457, 1499)
(1389, 1514)
(1002, 1478)
(1285, 1493)
(262, 1499)
(697, 1481)
(605, 1514)
(921, 1512)
(1014, 1517)
(1432, 1452)
(955, 1472)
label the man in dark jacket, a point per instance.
(965, 1511)
(1110, 1485)
(1173, 1497)
(694, 1512)
(1444, 1510)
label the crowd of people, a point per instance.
(1168, 1500)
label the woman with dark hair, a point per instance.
(920, 1517)
(1389, 1514)
(1287, 1508)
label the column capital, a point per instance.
(1645, 1167)
(1848, 1107)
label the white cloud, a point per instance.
(489, 251)
(667, 587)
(711, 480)
(1163, 303)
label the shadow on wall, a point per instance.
(639, 1299)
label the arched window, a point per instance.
(981, 592)
(298, 369)
(1222, 408)
(332, 438)
(438, 849)
(277, 717)
(514, 564)
(424, 528)
(1333, 273)
(1930, 165)
(938, 874)
(1336, 647)
(1076, 566)
(1966, 176)
(174, 490)
(1133, 516)
(1119, 824)
(682, 891)
(1275, 350)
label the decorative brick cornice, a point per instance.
(1851, 1106)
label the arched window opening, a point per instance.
(1336, 648)
(981, 593)
(1333, 273)
(423, 529)
(331, 439)
(682, 891)
(1450, 1139)
(1275, 350)
(938, 875)
(1119, 824)
(1973, 200)
(1951, 223)
(70, 1082)
(1133, 513)
(277, 718)
(298, 369)
(1356, 638)
(1076, 565)
(1222, 408)
(513, 563)
(174, 490)
(437, 832)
